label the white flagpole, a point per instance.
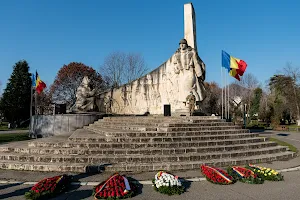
(225, 87)
(228, 100)
(222, 90)
(30, 120)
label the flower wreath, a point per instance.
(245, 175)
(268, 173)
(216, 175)
(167, 183)
(115, 187)
(49, 187)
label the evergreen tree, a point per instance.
(15, 101)
(255, 103)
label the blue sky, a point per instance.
(49, 34)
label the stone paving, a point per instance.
(288, 189)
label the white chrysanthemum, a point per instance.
(166, 179)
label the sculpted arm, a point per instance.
(199, 66)
(176, 64)
(92, 92)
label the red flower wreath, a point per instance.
(216, 175)
(245, 175)
(115, 187)
(48, 187)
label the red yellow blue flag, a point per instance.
(39, 84)
(235, 66)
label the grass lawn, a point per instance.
(11, 137)
(4, 127)
(293, 126)
(282, 143)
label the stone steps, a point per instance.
(111, 131)
(172, 166)
(125, 145)
(143, 144)
(113, 159)
(160, 117)
(164, 124)
(122, 167)
(163, 139)
(166, 129)
(140, 151)
(118, 133)
(151, 120)
(42, 166)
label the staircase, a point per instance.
(146, 143)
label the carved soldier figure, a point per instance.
(191, 100)
(85, 97)
(191, 71)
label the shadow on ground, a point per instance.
(19, 192)
(187, 184)
(75, 194)
(2, 187)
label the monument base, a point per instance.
(182, 112)
(61, 124)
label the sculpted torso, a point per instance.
(85, 97)
(191, 72)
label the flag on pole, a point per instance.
(33, 80)
(235, 66)
(39, 84)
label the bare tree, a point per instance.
(135, 66)
(44, 101)
(211, 104)
(249, 82)
(113, 68)
(120, 68)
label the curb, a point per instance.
(96, 183)
(196, 179)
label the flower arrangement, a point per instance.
(115, 187)
(48, 187)
(216, 175)
(167, 183)
(245, 175)
(268, 173)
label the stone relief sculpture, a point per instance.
(170, 83)
(191, 72)
(85, 97)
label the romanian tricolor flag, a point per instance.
(39, 84)
(236, 67)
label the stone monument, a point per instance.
(190, 71)
(169, 84)
(78, 116)
(85, 97)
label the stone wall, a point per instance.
(49, 125)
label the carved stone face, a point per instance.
(85, 80)
(183, 46)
